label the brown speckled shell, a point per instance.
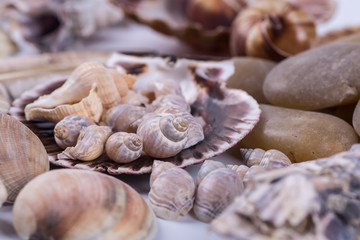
(228, 114)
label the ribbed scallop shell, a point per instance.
(90, 106)
(90, 144)
(163, 135)
(79, 204)
(172, 193)
(123, 147)
(23, 156)
(66, 132)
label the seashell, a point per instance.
(89, 205)
(89, 106)
(23, 156)
(7, 46)
(122, 117)
(163, 88)
(172, 193)
(215, 192)
(271, 29)
(274, 159)
(158, 168)
(320, 10)
(251, 172)
(66, 132)
(251, 157)
(134, 98)
(78, 85)
(90, 144)
(163, 135)
(211, 14)
(207, 167)
(3, 194)
(123, 147)
(241, 170)
(170, 101)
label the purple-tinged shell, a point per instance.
(228, 115)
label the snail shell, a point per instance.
(158, 168)
(66, 132)
(271, 29)
(79, 83)
(270, 159)
(163, 135)
(90, 106)
(241, 170)
(79, 204)
(170, 101)
(90, 144)
(134, 98)
(172, 192)
(207, 167)
(123, 147)
(252, 171)
(23, 156)
(215, 192)
(252, 157)
(122, 117)
(3, 194)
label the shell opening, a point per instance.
(61, 132)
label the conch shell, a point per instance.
(79, 204)
(110, 85)
(90, 144)
(66, 132)
(271, 29)
(172, 192)
(164, 135)
(123, 147)
(215, 192)
(23, 156)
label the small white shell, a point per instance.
(207, 167)
(122, 147)
(172, 193)
(241, 170)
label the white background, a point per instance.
(130, 37)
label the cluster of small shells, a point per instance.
(94, 114)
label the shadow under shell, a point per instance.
(229, 115)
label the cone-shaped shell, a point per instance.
(123, 147)
(90, 144)
(66, 132)
(90, 106)
(22, 155)
(163, 135)
(79, 204)
(172, 193)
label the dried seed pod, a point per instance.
(214, 13)
(207, 167)
(172, 193)
(274, 159)
(89, 205)
(163, 135)
(122, 117)
(23, 156)
(3, 194)
(122, 147)
(272, 29)
(66, 132)
(241, 170)
(215, 192)
(90, 106)
(90, 144)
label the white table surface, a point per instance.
(129, 36)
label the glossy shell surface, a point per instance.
(227, 115)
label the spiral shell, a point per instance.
(23, 156)
(78, 204)
(163, 135)
(215, 192)
(110, 85)
(135, 98)
(122, 147)
(169, 101)
(207, 167)
(251, 172)
(90, 106)
(122, 117)
(90, 144)
(3, 194)
(270, 159)
(272, 29)
(66, 132)
(241, 170)
(172, 193)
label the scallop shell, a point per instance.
(90, 106)
(23, 156)
(123, 147)
(226, 115)
(79, 204)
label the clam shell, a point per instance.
(79, 204)
(227, 114)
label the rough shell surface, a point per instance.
(23, 156)
(66, 132)
(92, 206)
(311, 200)
(172, 193)
(227, 114)
(269, 159)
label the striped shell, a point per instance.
(123, 147)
